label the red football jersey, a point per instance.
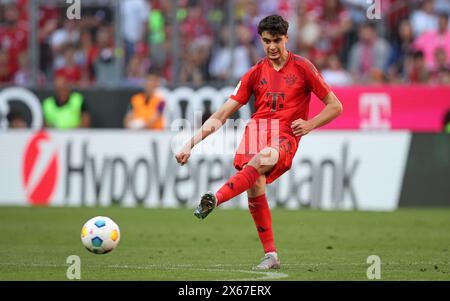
(283, 95)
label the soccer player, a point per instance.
(282, 83)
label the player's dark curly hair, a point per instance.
(273, 24)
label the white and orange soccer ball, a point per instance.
(100, 235)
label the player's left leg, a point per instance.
(243, 180)
(260, 211)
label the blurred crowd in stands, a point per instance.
(409, 44)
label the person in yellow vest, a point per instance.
(66, 109)
(146, 108)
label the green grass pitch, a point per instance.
(171, 244)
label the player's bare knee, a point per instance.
(268, 156)
(255, 161)
(265, 159)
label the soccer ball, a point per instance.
(100, 235)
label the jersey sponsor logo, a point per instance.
(40, 169)
(275, 100)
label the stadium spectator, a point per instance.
(334, 74)
(157, 34)
(48, 23)
(222, 67)
(429, 41)
(196, 37)
(70, 70)
(22, 77)
(107, 71)
(442, 61)
(67, 35)
(442, 77)
(135, 15)
(194, 63)
(442, 6)
(393, 11)
(65, 109)
(88, 51)
(138, 66)
(334, 23)
(195, 26)
(415, 68)
(215, 13)
(6, 68)
(368, 57)
(304, 32)
(13, 40)
(16, 120)
(357, 10)
(147, 108)
(246, 41)
(267, 7)
(249, 14)
(424, 19)
(402, 45)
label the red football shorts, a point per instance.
(284, 143)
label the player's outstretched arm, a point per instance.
(214, 122)
(333, 108)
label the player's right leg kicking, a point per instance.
(251, 179)
(243, 180)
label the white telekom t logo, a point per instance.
(375, 111)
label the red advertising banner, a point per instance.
(415, 108)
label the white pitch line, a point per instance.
(284, 264)
(263, 275)
(220, 268)
(266, 275)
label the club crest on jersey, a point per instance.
(290, 79)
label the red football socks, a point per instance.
(259, 208)
(240, 182)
